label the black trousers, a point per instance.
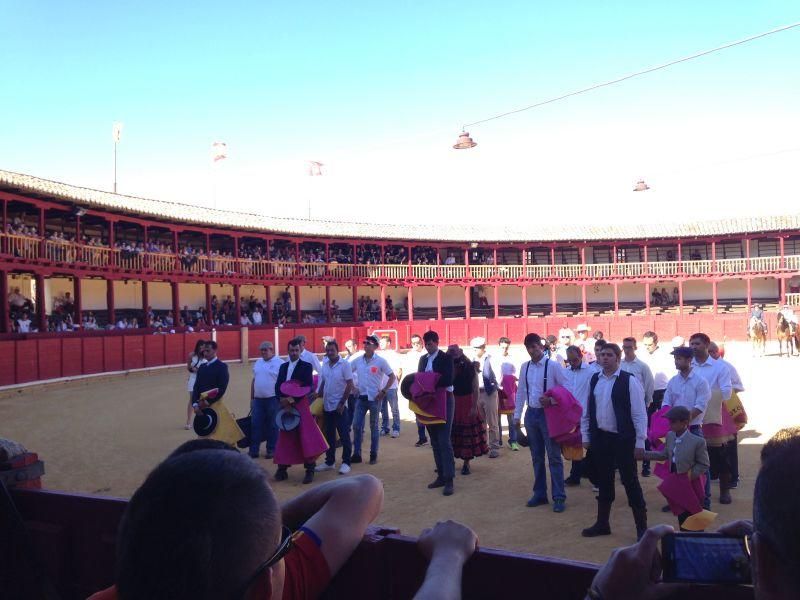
(609, 451)
(655, 405)
(719, 457)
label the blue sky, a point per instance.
(378, 92)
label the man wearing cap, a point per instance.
(487, 383)
(662, 365)
(264, 403)
(335, 385)
(295, 369)
(390, 400)
(370, 370)
(439, 362)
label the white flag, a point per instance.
(116, 131)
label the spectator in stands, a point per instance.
(256, 317)
(773, 534)
(675, 296)
(24, 323)
(597, 335)
(90, 322)
(655, 297)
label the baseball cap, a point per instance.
(477, 342)
(371, 339)
(683, 351)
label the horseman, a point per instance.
(788, 314)
(757, 316)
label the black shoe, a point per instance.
(281, 475)
(597, 529)
(448, 488)
(309, 476)
(666, 508)
(373, 459)
(645, 472)
(269, 455)
(436, 483)
(465, 470)
(572, 481)
(534, 501)
(421, 443)
(355, 459)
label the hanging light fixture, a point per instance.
(640, 186)
(464, 141)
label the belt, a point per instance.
(364, 396)
(263, 397)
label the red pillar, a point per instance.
(616, 299)
(553, 300)
(4, 247)
(4, 310)
(78, 301)
(714, 261)
(496, 302)
(524, 301)
(145, 303)
(466, 302)
(383, 303)
(438, 301)
(714, 296)
(40, 305)
(209, 316)
(355, 303)
(583, 299)
(680, 297)
(146, 257)
(780, 266)
(749, 292)
(41, 234)
(647, 298)
(111, 243)
(747, 254)
(112, 317)
(268, 302)
(176, 303)
(553, 264)
(644, 248)
(411, 304)
(327, 297)
(297, 311)
(237, 304)
(783, 288)
(583, 265)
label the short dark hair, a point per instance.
(598, 335)
(775, 495)
(504, 340)
(201, 444)
(702, 337)
(574, 349)
(651, 334)
(332, 343)
(293, 342)
(415, 335)
(211, 343)
(629, 339)
(532, 339)
(614, 348)
(599, 342)
(165, 551)
(430, 336)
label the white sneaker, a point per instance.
(344, 469)
(395, 434)
(324, 467)
(595, 489)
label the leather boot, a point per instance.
(724, 488)
(601, 526)
(640, 518)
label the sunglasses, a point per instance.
(282, 550)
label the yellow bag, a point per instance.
(227, 429)
(317, 407)
(736, 410)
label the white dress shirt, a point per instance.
(662, 365)
(604, 408)
(691, 392)
(736, 381)
(578, 383)
(718, 378)
(504, 365)
(310, 357)
(335, 377)
(370, 374)
(639, 369)
(265, 375)
(531, 383)
(351, 359)
(290, 369)
(393, 358)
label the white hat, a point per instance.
(678, 341)
(477, 342)
(583, 327)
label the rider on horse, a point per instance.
(757, 316)
(788, 314)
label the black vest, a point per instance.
(620, 399)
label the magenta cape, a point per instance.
(429, 402)
(682, 494)
(659, 427)
(507, 395)
(564, 416)
(301, 445)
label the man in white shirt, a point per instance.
(614, 428)
(351, 354)
(718, 377)
(390, 400)
(579, 374)
(662, 365)
(335, 385)
(536, 376)
(24, 323)
(565, 338)
(411, 362)
(736, 386)
(309, 356)
(122, 324)
(638, 368)
(487, 383)
(264, 404)
(369, 369)
(256, 317)
(504, 365)
(688, 389)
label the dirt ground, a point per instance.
(104, 435)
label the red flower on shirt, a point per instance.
(373, 369)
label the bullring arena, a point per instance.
(110, 294)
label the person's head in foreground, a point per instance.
(205, 524)
(774, 536)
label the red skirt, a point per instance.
(469, 433)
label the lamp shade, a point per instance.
(464, 141)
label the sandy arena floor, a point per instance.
(104, 435)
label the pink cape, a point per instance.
(301, 445)
(507, 395)
(659, 427)
(429, 402)
(682, 494)
(564, 416)
(727, 428)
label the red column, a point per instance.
(552, 261)
(410, 273)
(41, 233)
(614, 258)
(40, 305)
(383, 303)
(237, 304)
(783, 289)
(680, 258)
(327, 297)
(268, 302)
(4, 310)
(553, 300)
(714, 297)
(355, 303)
(680, 297)
(439, 301)
(616, 299)
(77, 300)
(645, 257)
(111, 242)
(747, 254)
(410, 303)
(749, 292)
(647, 298)
(4, 247)
(209, 317)
(714, 258)
(145, 303)
(146, 257)
(496, 302)
(524, 302)
(176, 303)
(298, 312)
(466, 302)
(583, 299)
(112, 317)
(583, 264)
(781, 263)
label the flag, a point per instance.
(219, 151)
(116, 131)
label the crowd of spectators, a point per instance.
(663, 298)
(423, 255)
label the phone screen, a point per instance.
(705, 558)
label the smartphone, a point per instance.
(710, 558)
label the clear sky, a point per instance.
(378, 92)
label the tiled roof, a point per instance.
(187, 213)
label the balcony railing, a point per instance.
(30, 248)
(793, 299)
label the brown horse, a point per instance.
(757, 332)
(787, 332)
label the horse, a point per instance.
(786, 332)
(757, 332)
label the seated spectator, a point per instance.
(774, 536)
(244, 321)
(245, 545)
(256, 317)
(24, 323)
